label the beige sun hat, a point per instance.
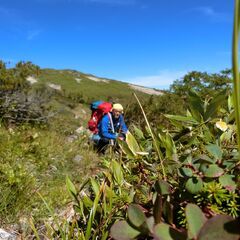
(118, 107)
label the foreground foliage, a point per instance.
(129, 198)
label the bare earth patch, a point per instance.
(55, 86)
(146, 90)
(78, 80)
(31, 79)
(97, 79)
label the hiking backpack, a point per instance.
(99, 109)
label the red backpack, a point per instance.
(99, 109)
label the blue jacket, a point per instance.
(105, 128)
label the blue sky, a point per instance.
(147, 42)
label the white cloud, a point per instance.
(33, 34)
(206, 11)
(162, 80)
(211, 14)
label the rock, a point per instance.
(77, 116)
(78, 80)
(77, 159)
(80, 130)
(72, 138)
(6, 235)
(68, 214)
(31, 79)
(24, 225)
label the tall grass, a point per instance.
(153, 138)
(235, 68)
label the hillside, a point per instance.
(90, 87)
(51, 178)
(43, 136)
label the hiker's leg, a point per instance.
(102, 145)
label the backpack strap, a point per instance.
(111, 121)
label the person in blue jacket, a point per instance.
(111, 127)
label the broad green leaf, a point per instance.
(203, 167)
(188, 159)
(220, 227)
(207, 134)
(124, 146)
(117, 172)
(195, 219)
(70, 187)
(138, 132)
(194, 185)
(186, 119)
(123, 231)
(231, 116)
(88, 203)
(167, 143)
(95, 186)
(170, 145)
(136, 215)
(93, 211)
(192, 140)
(202, 158)
(176, 123)
(226, 181)
(216, 102)
(150, 223)
(158, 208)
(164, 231)
(226, 136)
(196, 105)
(213, 171)
(168, 212)
(188, 113)
(132, 143)
(215, 151)
(186, 172)
(163, 187)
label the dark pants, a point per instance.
(102, 145)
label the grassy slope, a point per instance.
(91, 90)
(37, 159)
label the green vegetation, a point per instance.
(77, 85)
(38, 160)
(181, 155)
(175, 177)
(202, 175)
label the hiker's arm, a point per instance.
(124, 128)
(104, 129)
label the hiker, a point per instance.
(111, 127)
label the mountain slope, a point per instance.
(90, 87)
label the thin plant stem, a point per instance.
(154, 140)
(235, 68)
(34, 229)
